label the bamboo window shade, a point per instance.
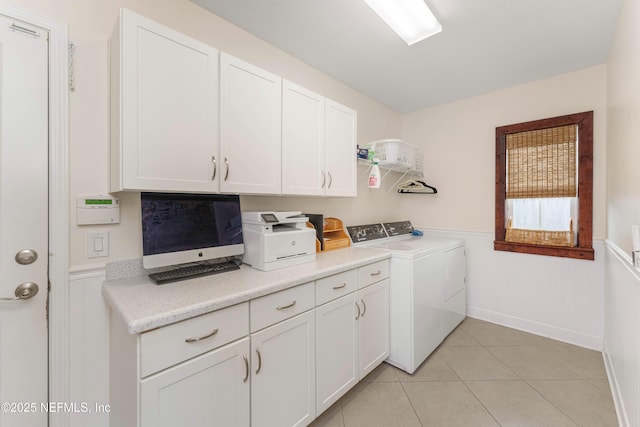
(542, 163)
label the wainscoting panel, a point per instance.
(622, 334)
(89, 352)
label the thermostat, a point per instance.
(100, 209)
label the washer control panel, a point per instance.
(398, 228)
(366, 233)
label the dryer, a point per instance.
(427, 288)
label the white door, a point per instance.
(283, 375)
(302, 141)
(23, 223)
(340, 150)
(211, 389)
(336, 350)
(373, 326)
(250, 128)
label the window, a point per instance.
(544, 187)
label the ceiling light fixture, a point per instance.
(411, 19)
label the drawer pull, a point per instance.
(246, 369)
(364, 308)
(284, 307)
(344, 285)
(259, 361)
(358, 307)
(377, 273)
(215, 167)
(190, 340)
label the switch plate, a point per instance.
(98, 244)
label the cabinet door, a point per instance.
(283, 373)
(250, 128)
(373, 326)
(165, 101)
(302, 141)
(336, 350)
(212, 389)
(340, 150)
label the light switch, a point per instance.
(98, 244)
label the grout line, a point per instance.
(411, 403)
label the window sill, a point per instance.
(558, 251)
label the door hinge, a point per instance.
(72, 50)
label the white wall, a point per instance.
(90, 25)
(557, 297)
(622, 286)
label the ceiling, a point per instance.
(485, 45)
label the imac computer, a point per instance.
(189, 228)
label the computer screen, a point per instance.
(182, 228)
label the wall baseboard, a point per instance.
(545, 330)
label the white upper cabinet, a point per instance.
(250, 128)
(318, 144)
(340, 150)
(302, 141)
(164, 109)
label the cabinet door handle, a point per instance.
(324, 179)
(358, 307)
(344, 285)
(226, 162)
(190, 340)
(330, 179)
(215, 167)
(284, 307)
(377, 273)
(364, 308)
(259, 361)
(246, 369)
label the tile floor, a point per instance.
(484, 375)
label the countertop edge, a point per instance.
(144, 323)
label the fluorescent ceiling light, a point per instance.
(411, 19)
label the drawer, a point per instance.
(271, 309)
(372, 273)
(332, 287)
(180, 341)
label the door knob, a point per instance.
(24, 290)
(26, 256)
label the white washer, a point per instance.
(427, 288)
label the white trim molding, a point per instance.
(622, 333)
(58, 204)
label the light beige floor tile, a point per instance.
(383, 373)
(587, 364)
(433, 369)
(475, 363)
(459, 338)
(448, 404)
(491, 334)
(383, 404)
(580, 400)
(603, 385)
(515, 403)
(536, 363)
(332, 417)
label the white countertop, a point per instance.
(144, 305)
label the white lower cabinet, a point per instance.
(337, 350)
(283, 373)
(277, 361)
(352, 336)
(373, 326)
(212, 389)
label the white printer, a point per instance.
(275, 240)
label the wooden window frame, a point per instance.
(584, 248)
